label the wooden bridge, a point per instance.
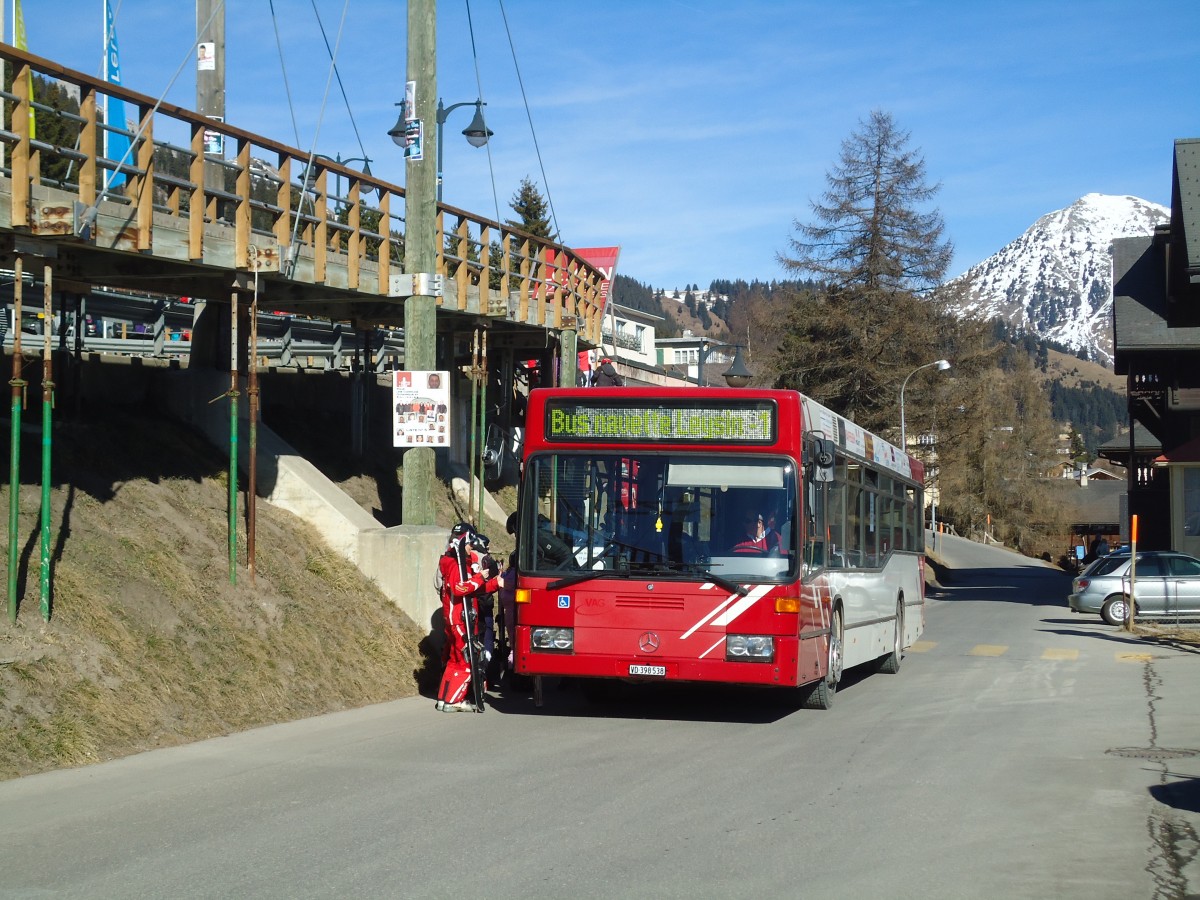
(202, 209)
(305, 236)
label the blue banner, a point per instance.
(116, 144)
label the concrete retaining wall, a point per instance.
(400, 560)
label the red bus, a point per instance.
(736, 536)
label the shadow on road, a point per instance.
(1182, 795)
(1031, 585)
(582, 698)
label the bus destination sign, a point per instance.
(744, 423)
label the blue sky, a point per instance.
(694, 133)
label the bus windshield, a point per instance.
(661, 515)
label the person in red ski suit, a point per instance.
(459, 559)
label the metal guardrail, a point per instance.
(128, 325)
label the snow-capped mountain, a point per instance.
(1055, 280)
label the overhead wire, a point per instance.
(529, 115)
(312, 152)
(479, 94)
(287, 88)
(338, 75)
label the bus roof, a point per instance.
(631, 417)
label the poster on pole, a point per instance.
(206, 56)
(214, 141)
(410, 101)
(421, 409)
(414, 132)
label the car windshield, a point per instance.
(660, 515)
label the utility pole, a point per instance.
(420, 251)
(210, 78)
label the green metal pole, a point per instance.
(569, 370)
(14, 473)
(233, 437)
(47, 423)
(471, 454)
(252, 461)
(483, 380)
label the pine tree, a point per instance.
(870, 235)
(876, 257)
(533, 210)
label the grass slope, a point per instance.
(149, 645)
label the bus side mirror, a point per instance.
(819, 458)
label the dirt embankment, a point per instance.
(149, 643)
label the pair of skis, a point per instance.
(475, 659)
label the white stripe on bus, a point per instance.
(712, 612)
(742, 605)
(727, 616)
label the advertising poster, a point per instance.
(421, 404)
(414, 131)
(206, 56)
(214, 141)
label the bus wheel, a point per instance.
(890, 664)
(820, 695)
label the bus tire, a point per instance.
(890, 663)
(820, 695)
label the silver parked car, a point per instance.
(1166, 584)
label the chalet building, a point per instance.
(1156, 331)
(695, 359)
(628, 338)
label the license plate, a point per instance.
(659, 671)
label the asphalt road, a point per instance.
(1022, 751)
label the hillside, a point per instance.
(1071, 371)
(684, 321)
(149, 645)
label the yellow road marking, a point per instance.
(1058, 653)
(922, 646)
(988, 650)
(1134, 657)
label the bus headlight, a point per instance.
(553, 640)
(750, 647)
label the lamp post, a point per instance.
(338, 183)
(737, 375)
(477, 133)
(942, 365)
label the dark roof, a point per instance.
(1143, 442)
(1185, 201)
(1097, 503)
(1143, 319)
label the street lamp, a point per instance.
(737, 375)
(942, 365)
(477, 133)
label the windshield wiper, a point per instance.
(655, 567)
(666, 566)
(580, 577)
